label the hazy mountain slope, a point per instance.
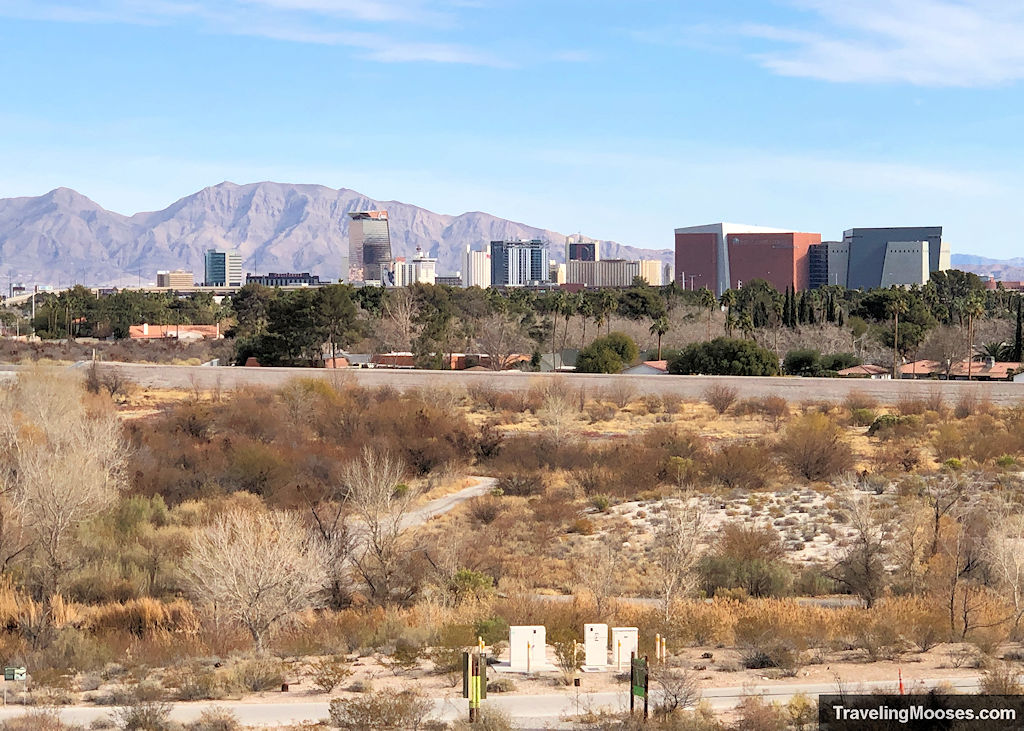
(63, 236)
(1011, 270)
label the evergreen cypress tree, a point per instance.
(1018, 340)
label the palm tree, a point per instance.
(659, 327)
(898, 306)
(996, 351)
(728, 301)
(973, 308)
(746, 324)
(707, 300)
(608, 301)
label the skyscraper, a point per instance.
(576, 249)
(519, 263)
(369, 245)
(222, 269)
(476, 268)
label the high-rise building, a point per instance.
(612, 272)
(402, 273)
(369, 245)
(222, 269)
(519, 263)
(476, 267)
(881, 257)
(576, 249)
(721, 256)
(175, 279)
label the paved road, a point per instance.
(692, 387)
(529, 712)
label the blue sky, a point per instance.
(619, 119)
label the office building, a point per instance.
(289, 279)
(223, 269)
(576, 249)
(722, 256)
(175, 279)
(369, 246)
(882, 257)
(449, 280)
(402, 273)
(476, 268)
(519, 263)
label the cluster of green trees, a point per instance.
(291, 327)
(77, 312)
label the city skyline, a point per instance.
(794, 114)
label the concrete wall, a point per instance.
(906, 263)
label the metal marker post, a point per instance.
(632, 682)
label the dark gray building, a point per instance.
(288, 279)
(519, 263)
(869, 249)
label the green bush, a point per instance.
(609, 354)
(725, 357)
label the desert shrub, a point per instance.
(600, 503)
(405, 657)
(862, 417)
(37, 719)
(702, 623)
(888, 426)
(522, 484)
(485, 509)
(720, 397)
(143, 716)
(501, 685)
(1000, 680)
(490, 718)
(215, 719)
(756, 714)
(899, 455)
(873, 632)
(724, 357)
(568, 659)
(406, 710)
(856, 400)
(815, 448)
(908, 405)
(949, 442)
(198, 684)
(328, 672)
(620, 393)
(257, 674)
(599, 411)
(775, 408)
(743, 466)
(748, 558)
(671, 403)
(680, 688)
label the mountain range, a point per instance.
(63, 236)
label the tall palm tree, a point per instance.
(706, 299)
(728, 301)
(746, 324)
(898, 306)
(659, 327)
(585, 309)
(974, 308)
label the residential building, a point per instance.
(867, 370)
(402, 273)
(175, 279)
(476, 267)
(519, 263)
(289, 279)
(721, 256)
(222, 268)
(978, 368)
(648, 368)
(369, 245)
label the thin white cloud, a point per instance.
(379, 29)
(922, 42)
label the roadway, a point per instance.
(688, 387)
(527, 711)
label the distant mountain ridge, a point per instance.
(63, 236)
(1007, 270)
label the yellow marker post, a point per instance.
(657, 647)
